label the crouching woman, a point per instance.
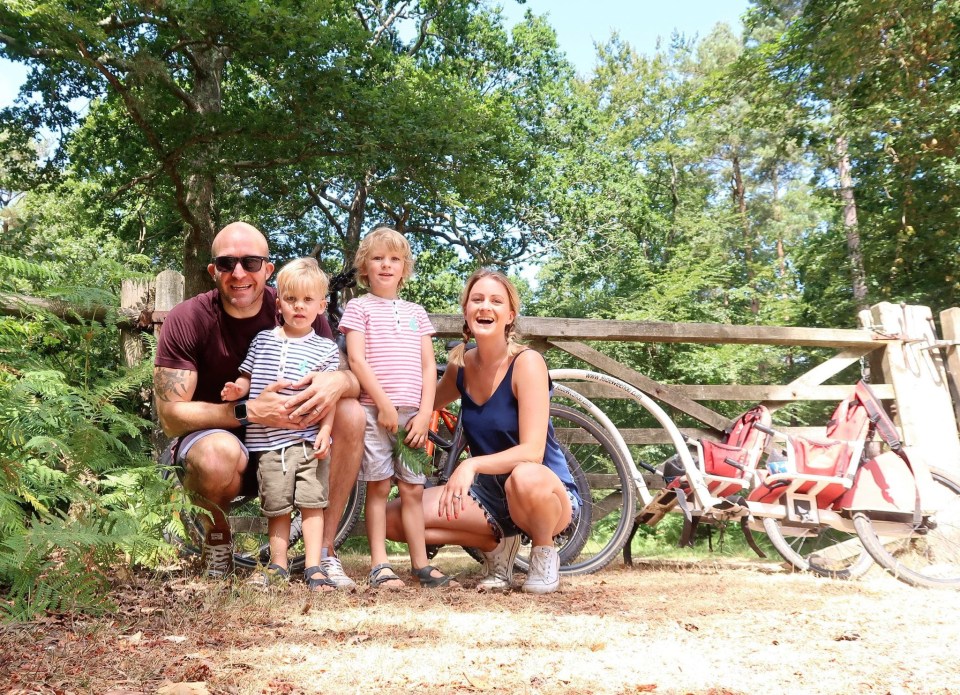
(516, 479)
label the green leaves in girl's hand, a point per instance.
(416, 460)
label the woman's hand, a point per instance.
(455, 492)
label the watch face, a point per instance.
(240, 412)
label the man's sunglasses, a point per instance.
(226, 264)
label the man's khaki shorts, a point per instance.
(292, 477)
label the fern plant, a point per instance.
(78, 487)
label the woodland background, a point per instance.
(784, 172)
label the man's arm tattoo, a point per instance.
(170, 384)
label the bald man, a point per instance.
(203, 341)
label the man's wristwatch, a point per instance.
(240, 412)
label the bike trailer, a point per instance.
(827, 473)
(728, 466)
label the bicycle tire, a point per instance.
(610, 505)
(250, 540)
(930, 556)
(351, 513)
(249, 529)
(824, 551)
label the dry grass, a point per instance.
(704, 628)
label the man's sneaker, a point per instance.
(334, 569)
(217, 556)
(498, 564)
(544, 574)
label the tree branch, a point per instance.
(167, 162)
(318, 202)
(422, 34)
(388, 22)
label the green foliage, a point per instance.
(414, 459)
(75, 467)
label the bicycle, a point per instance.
(906, 516)
(695, 489)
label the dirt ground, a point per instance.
(705, 627)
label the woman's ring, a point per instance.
(316, 410)
(456, 497)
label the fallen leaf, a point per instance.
(175, 638)
(134, 638)
(475, 682)
(188, 688)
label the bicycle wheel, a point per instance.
(183, 531)
(930, 555)
(823, 550)
(249, 529)
(609, 507)
(351, 513)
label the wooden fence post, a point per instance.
(950, 325)
(169, 290)
(169, 293)
(135, 295)
(917, 373)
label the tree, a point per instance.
(201, 102)
(882, 78)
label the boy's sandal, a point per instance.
(321, 583)
(383, 573)
(429, 581)
(272, 575)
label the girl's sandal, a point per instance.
(382, 575)
(428, 581)
(318, 580)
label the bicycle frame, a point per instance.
(704, 500)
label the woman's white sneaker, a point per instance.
(544, 574)
(498, 564)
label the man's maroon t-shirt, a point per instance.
(200, 336)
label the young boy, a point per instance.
(289, 474)
(391, 354)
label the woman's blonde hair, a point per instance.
(392, 240)
(303, 274)
(510, 330)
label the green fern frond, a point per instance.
(10, 267)
(48, 568)
(414, 459)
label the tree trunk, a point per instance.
(740, 200)
(857, 273)
(201, 179)
(777, 220)
(355, 220)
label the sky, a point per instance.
(579, 24)
(582, 23)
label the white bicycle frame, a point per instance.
(695, 476)
(702, 496)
